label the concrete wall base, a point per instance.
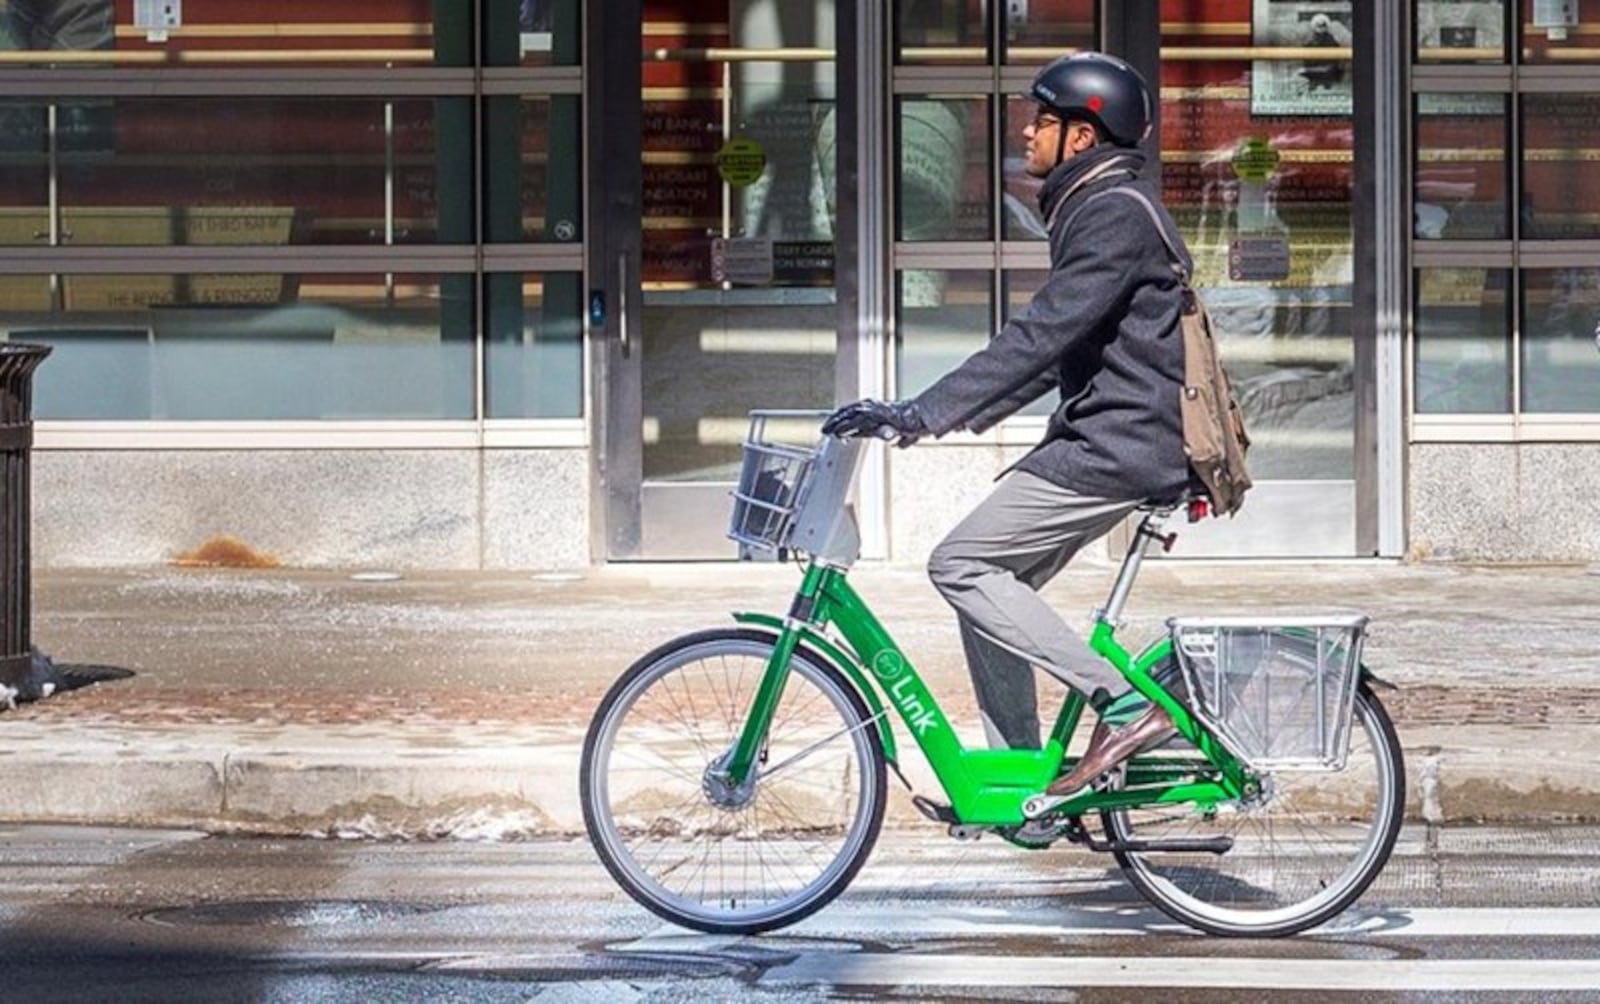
(1504, 501)
(463, 509)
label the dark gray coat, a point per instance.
(1104, 331)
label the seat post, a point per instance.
(1148, 532)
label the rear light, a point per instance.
(1199, 509)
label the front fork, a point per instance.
(738, 763)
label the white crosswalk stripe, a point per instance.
(863, 969)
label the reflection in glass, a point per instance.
(535, 351)
(531, 32)
(943, 170)
(1019, 287)
(1461, 31)
(1560, 190)
(1561, 340)
(712, 356)
(1463, 341)
(24, 174)
(377, 33)
(941, 31)
(1461, 167)
(254, 171)
(256, 347)
(1559, 31)
(532, 170)
(1264, 204)
(941, 317)
(1039, 31)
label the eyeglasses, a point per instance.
(1042, 118)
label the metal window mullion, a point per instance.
(1514, 153)
(53, 199)
(204, 259)
(480, 279)
(236, 83)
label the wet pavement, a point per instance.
(1504, 913)
(434, 704)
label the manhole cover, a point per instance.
(289, 913)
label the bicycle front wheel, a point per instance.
(1301, 853)
(702, 853)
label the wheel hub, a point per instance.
(720, 789)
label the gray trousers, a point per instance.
(990, 568)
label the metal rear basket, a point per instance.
(1280, 694)
(772, 479)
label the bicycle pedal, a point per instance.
(936, 811)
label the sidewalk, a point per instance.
(455, 704)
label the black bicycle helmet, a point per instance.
(1099, 89)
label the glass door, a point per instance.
(1258, 167)
(727, 290)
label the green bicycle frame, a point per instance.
(986, 787)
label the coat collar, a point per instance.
(1062, 181)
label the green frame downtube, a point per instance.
(986, 787)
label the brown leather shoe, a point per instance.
(1107, 749)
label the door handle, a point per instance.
(622, 303)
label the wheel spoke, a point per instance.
(1298, 855)
(731, 858)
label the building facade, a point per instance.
(494, 283)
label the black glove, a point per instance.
(896, 420)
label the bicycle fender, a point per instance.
(1374, 680)
(844, 664)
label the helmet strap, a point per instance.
(1061, 142)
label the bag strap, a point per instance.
(1094, 174)
(1155, 217)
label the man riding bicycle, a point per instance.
(1104, 331)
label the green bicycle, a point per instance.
(734, 780)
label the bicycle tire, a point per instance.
(612, 810)
(1177, 882)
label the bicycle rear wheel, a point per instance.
(1300, 855)
(697, 851)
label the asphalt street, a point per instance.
(131, 915)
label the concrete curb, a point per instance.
(422, 788)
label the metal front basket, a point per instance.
(1280, 694)
(772, 479)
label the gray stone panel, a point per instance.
(1505, 502)
(933, 489)
(307, 508)
(535, 509)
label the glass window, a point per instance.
(532, 170)
(944, 170)
(1463, 341)
(266, 171)
(375, 33)
(1258, 171)
(1560, 188)
(535, 354)
(1561, 340)
(258, 347)
(1041, 30)
(1563, 31)
(1461, 167)
(531, 33)
(1461, 31)
(1018, 287)
(1019, 201)
(941, 31)
(942, 316)
(24, 174)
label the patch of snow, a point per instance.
(483, 825)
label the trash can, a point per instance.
(17, 363)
